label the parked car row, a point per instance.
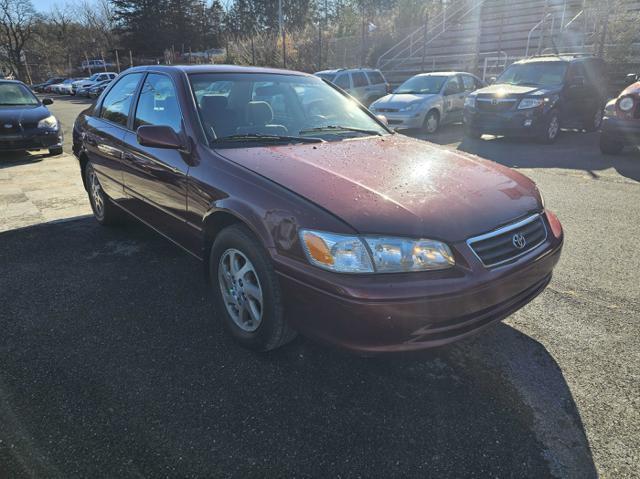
(533, 98)
(76, 86)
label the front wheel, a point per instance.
(247, 291)
(55, 151)
(551, 128)
(431, 122)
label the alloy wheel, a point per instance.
(96, 194)
(554, 127)
(431, 123)
(241, 290)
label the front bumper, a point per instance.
(32, 140)
(528, 122)
(399, 121)
(624, 131)
(407, 312)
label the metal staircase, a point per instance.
(484, 36)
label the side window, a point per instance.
(453, 86)
(375, 77)
(359, 79)
(158, 104)
(469, 83)
(117, 103)
(576, 71)
(343, 81)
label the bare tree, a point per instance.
(17, 21)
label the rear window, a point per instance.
(375, 78)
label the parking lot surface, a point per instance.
(113, 363)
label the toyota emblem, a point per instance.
(519, 241)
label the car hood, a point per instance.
(504, 89)
(633, 89)
(401, 100)
(395, 185)
(22, 114)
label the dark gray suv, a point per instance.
(538, 96)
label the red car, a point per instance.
(621, 124)
(311, 215)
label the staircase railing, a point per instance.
(414, 44)
(541, 23)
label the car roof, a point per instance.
(446, 74)
(12, 81)
(194, 69)
(339, 70)
(566, 58)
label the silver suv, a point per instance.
(366, 84)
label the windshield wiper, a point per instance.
(337, 128)
(267, 138)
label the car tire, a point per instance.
(551, 128)
(431, 122)
(55, 151)
(104, 211)
(472, 133)
(609, 146)
(247, 291)
(595, 121)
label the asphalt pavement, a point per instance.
(113, 363)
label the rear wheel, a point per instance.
(594, 121)
(609, 146)
(247, 291)
(103, 209)
(431, 122)
(551, 128)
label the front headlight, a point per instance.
(48, 123)
(626, 104)
(527, 103)
(348, 254)
(470, 101)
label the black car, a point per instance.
(538, 96)
(39, 87)
(25, 122)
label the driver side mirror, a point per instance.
(47, 101)
(632, 78)
(492, 80)
(159, 136)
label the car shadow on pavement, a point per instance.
(573, 150)
(15, 158)
(114, 365)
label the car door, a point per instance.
(360, 86)
(103, 135)
(343, 80)
(156, 178)
(453, 99)
(577, 102)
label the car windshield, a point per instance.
(258, 108)
(422, 85)
(14, 94)
(534, 74)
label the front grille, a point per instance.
(495, 104)
(11, 130)
(510, 242)
(387, 110)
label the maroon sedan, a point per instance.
(312, 216)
